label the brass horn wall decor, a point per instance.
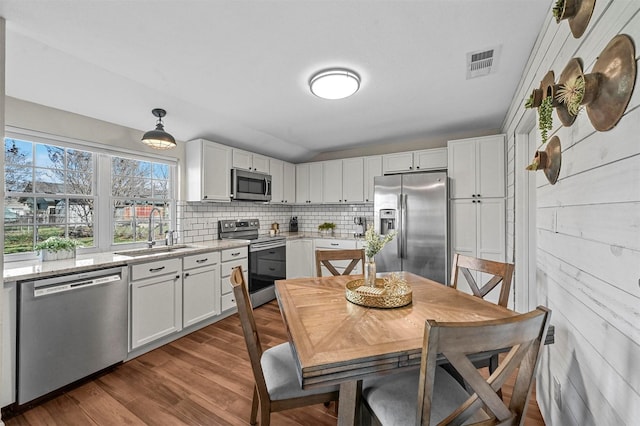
(571, 73)
(609, 86)
(548, 160)
(577, 12)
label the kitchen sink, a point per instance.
(152, 250)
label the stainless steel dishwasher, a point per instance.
(69, 327)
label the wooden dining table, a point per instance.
(335, 341)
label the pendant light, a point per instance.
(158, 138)
(334, 83)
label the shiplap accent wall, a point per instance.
(588, 238)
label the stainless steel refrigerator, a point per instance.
(415, 206)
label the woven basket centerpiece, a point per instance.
(389, 292)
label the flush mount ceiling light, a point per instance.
(158, 138)
(334, 84)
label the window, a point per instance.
(59, 188)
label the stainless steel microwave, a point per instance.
(250, 186)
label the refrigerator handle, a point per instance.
(399, 226)
(403, 210)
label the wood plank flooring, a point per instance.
(202, 379)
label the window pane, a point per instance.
(143, 169)
(80, 161)
(48, 181)
(49, 156)
(18, 238)
(79, 183)
(81, 210)
(142, 187)
(50, 210)
(18, 179)
(160, 171)
(83, 233)
(18, 152)
(45, 231)
(160, 189)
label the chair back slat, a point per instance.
(325, 257)
(523, 334)
(502, 274)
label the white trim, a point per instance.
(524, 216)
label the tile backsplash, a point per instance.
(198, 222)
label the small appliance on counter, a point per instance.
(361, 227)
(293, 224)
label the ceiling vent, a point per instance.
(482, 62)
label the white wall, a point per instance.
(588, 238)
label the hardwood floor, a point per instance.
(202, 379)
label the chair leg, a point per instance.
(493, 366)
(254, 407)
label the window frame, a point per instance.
(103, 220)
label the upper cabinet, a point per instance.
(415, 161)
(477, 167)
(249, 161)
(208, 171)
(283, 181)
(308, 183)
(343, 181)
(372, 168)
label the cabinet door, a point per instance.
(430, 159)
(490, 167)
(332, 181)
(463, 226)
(201, 294)
(216, 172)
(398, 162)
(302, 183)
(289, 183)
(353, 180)
(277, 181)
(315, 182)
(300, 259)
(491, 229)
(462, 168)
(372, 168)
(260, 163)
(156, 309)
(242, 159)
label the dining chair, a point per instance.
(502, 273)
(434, 397)
(277, 386)
(325, 257)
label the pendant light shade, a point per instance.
(158, 138)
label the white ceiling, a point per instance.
(237, 71)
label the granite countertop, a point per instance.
(30, 269)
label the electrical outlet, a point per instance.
(557, 396)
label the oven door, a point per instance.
(266, 265)
(251, 186)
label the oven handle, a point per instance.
(266, 246)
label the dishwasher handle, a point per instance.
(61, 288)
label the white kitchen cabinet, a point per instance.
(478, 230)
(476, 167)
(156, 300)
(8, 351)
(332, 181)
(372, 168)
(335, 244)
(230, 259)
(343, 180)
(208, 171)
(309, 183)
(249, 161)
(300, 258)
(283, 181)
(415, 161)
(200, 287)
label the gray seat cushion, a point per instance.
(394, 398)
(279, 370)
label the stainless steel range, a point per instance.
(267, 257)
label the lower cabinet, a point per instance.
(200, 287)
(232, 258)
(156, 300)
(300, 258)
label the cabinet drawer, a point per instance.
(227, 267)
(228, 301)
(234, 253)
(202, 259)
(328, 243)
(152, 269)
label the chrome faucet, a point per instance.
(150, 242)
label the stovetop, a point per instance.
(244, 229)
